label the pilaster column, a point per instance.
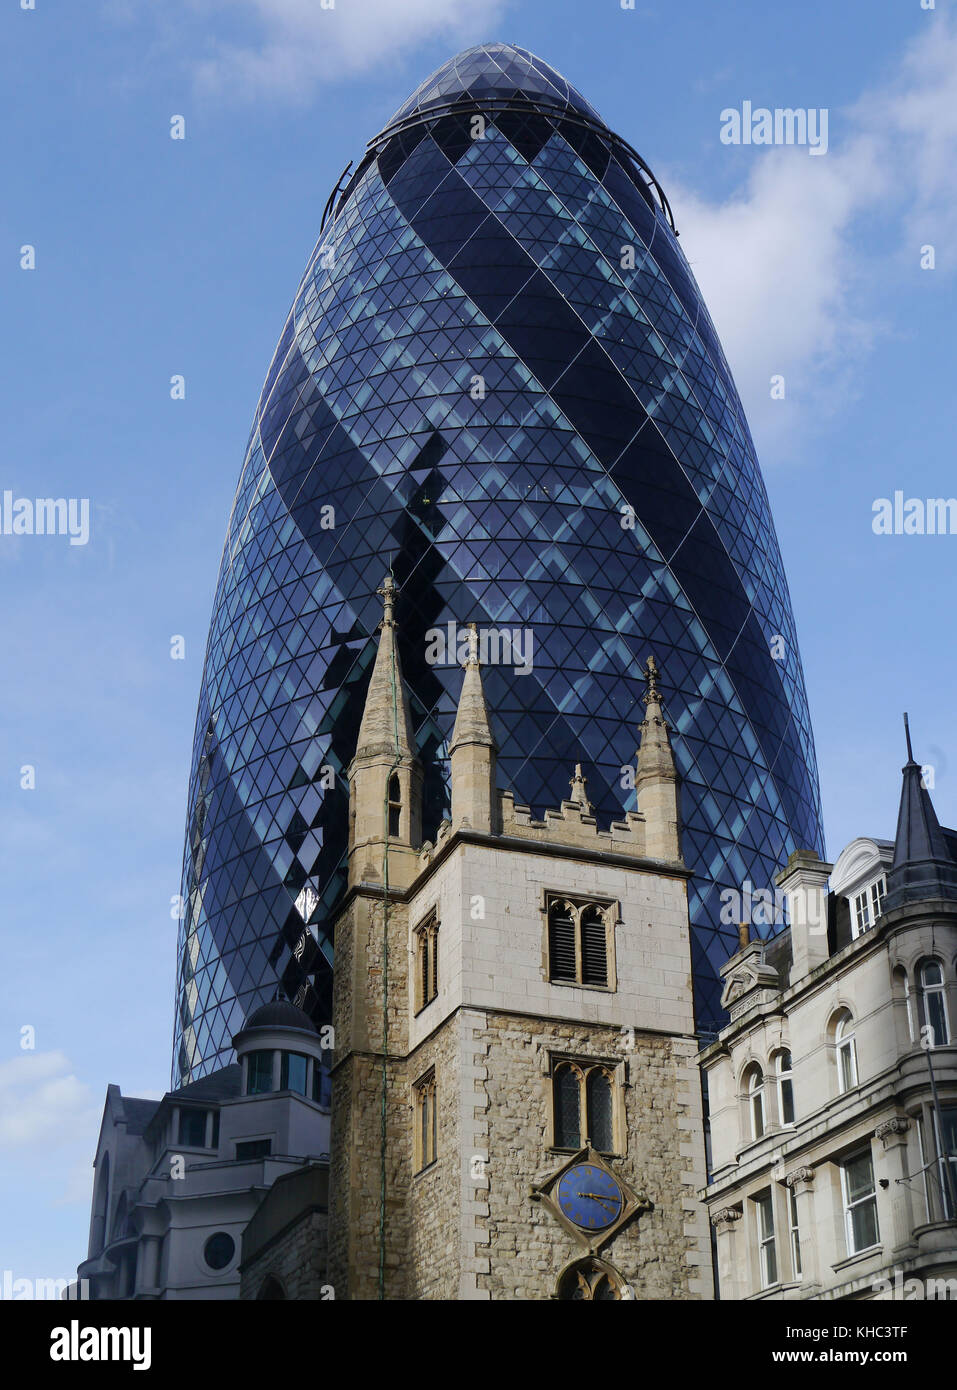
(800, 1181)
(893, 1135)
(731, 1285)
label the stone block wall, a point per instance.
(663, 1253)
(297, 1259)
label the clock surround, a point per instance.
(586, 1190)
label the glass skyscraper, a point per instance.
(498, 376)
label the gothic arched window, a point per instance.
(600, 1117)
(583, 1105)
(591, 1281)
(562, 954)
(579, 942)
(594, 947)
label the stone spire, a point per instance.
(656, 779)
(386, 726)
(472, 751)
(923, 867)
(385, 776)
(579, 794)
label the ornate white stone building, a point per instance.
(177, 1180)
(833, 1090)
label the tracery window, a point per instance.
(583, 1105)
(591, 1281)
(425, 1122)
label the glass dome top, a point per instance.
(491, 71)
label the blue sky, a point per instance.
(156, 257)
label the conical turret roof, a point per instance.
(386, 725)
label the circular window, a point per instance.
(219, 1250)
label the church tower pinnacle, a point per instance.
(472, 751)
(385, 776)
(656, 778)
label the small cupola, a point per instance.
(279, 1049)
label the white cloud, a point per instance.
(297, 43)
(790, 280)
(42, 1101)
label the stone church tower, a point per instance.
(516, 1108)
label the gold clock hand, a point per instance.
(597, 1197)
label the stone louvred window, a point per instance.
(594, 947)
(561, 942)
(578, 941)
(426, 938)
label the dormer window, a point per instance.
(868, 906)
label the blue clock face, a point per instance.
(590, 1197)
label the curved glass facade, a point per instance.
(498, 374)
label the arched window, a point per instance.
(594, 947)
(271, 1289)
(754, 1086)
(591, 1281)
(599, 1097)
(567, 1084)
(785, 1087)
(395, 806)
(562, 956)
(578, 942)
(846, 1051)
(931, 1003)
(583, 1091)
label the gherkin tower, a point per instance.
(498, 376)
